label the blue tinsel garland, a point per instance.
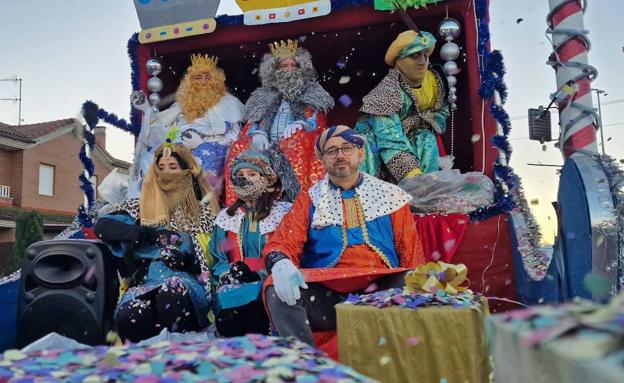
(90, 114)
(135, 115)
(492, 72)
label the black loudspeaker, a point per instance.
(69, 287)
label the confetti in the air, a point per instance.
(345, 100)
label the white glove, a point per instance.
(287, 280)
(139, 101)
(291, 129)
(260, 142)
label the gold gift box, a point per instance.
(424, 345)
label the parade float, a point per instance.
(347, 45)
(498, 243)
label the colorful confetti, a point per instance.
(250, 358)
(384, 360)
(597, 284)
(413, 341)
(345, 100)
(398, 297)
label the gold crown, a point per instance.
(283, 49)
(204, 62)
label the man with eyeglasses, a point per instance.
(349, 232)
(406, 113)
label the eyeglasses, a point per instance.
(346, 150)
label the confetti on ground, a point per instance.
(382, 341)
(250, 358)
(593, 329)
(344, 80)
(414, 300)
(475, 137)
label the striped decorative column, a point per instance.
(577, 118)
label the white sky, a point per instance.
(70, 51)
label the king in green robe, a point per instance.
(405, 112)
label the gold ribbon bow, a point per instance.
(436, 276)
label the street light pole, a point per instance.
(598, 93)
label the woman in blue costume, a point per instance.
(240, 233)
(162, 231)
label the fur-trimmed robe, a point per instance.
(293, 158)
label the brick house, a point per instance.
(39, 169)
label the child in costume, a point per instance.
(170, 287)
(284, 116)
(241, 231)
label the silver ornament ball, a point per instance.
(449, 51)
(450, 67)
(449, 29)
(452, 98)
(154, 67)
(154, 84)
(452, 80)
(154, 98)
(453, 90)
(453, 106)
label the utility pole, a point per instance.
(598, 93)
(19, 99)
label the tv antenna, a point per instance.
(18, 81)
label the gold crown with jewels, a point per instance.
(283, 49)
(204, 62)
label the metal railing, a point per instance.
(5, 191)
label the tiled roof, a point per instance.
(43, 128)
(8, 132)
(30, 132)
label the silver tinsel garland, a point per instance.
(615, 177)
(528, 235)
(11, 277)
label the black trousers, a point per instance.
(248, 319)
(147, 315)
(315, 310)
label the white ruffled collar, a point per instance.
(378, 198)
(267, 225)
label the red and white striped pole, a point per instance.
(577, 118)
